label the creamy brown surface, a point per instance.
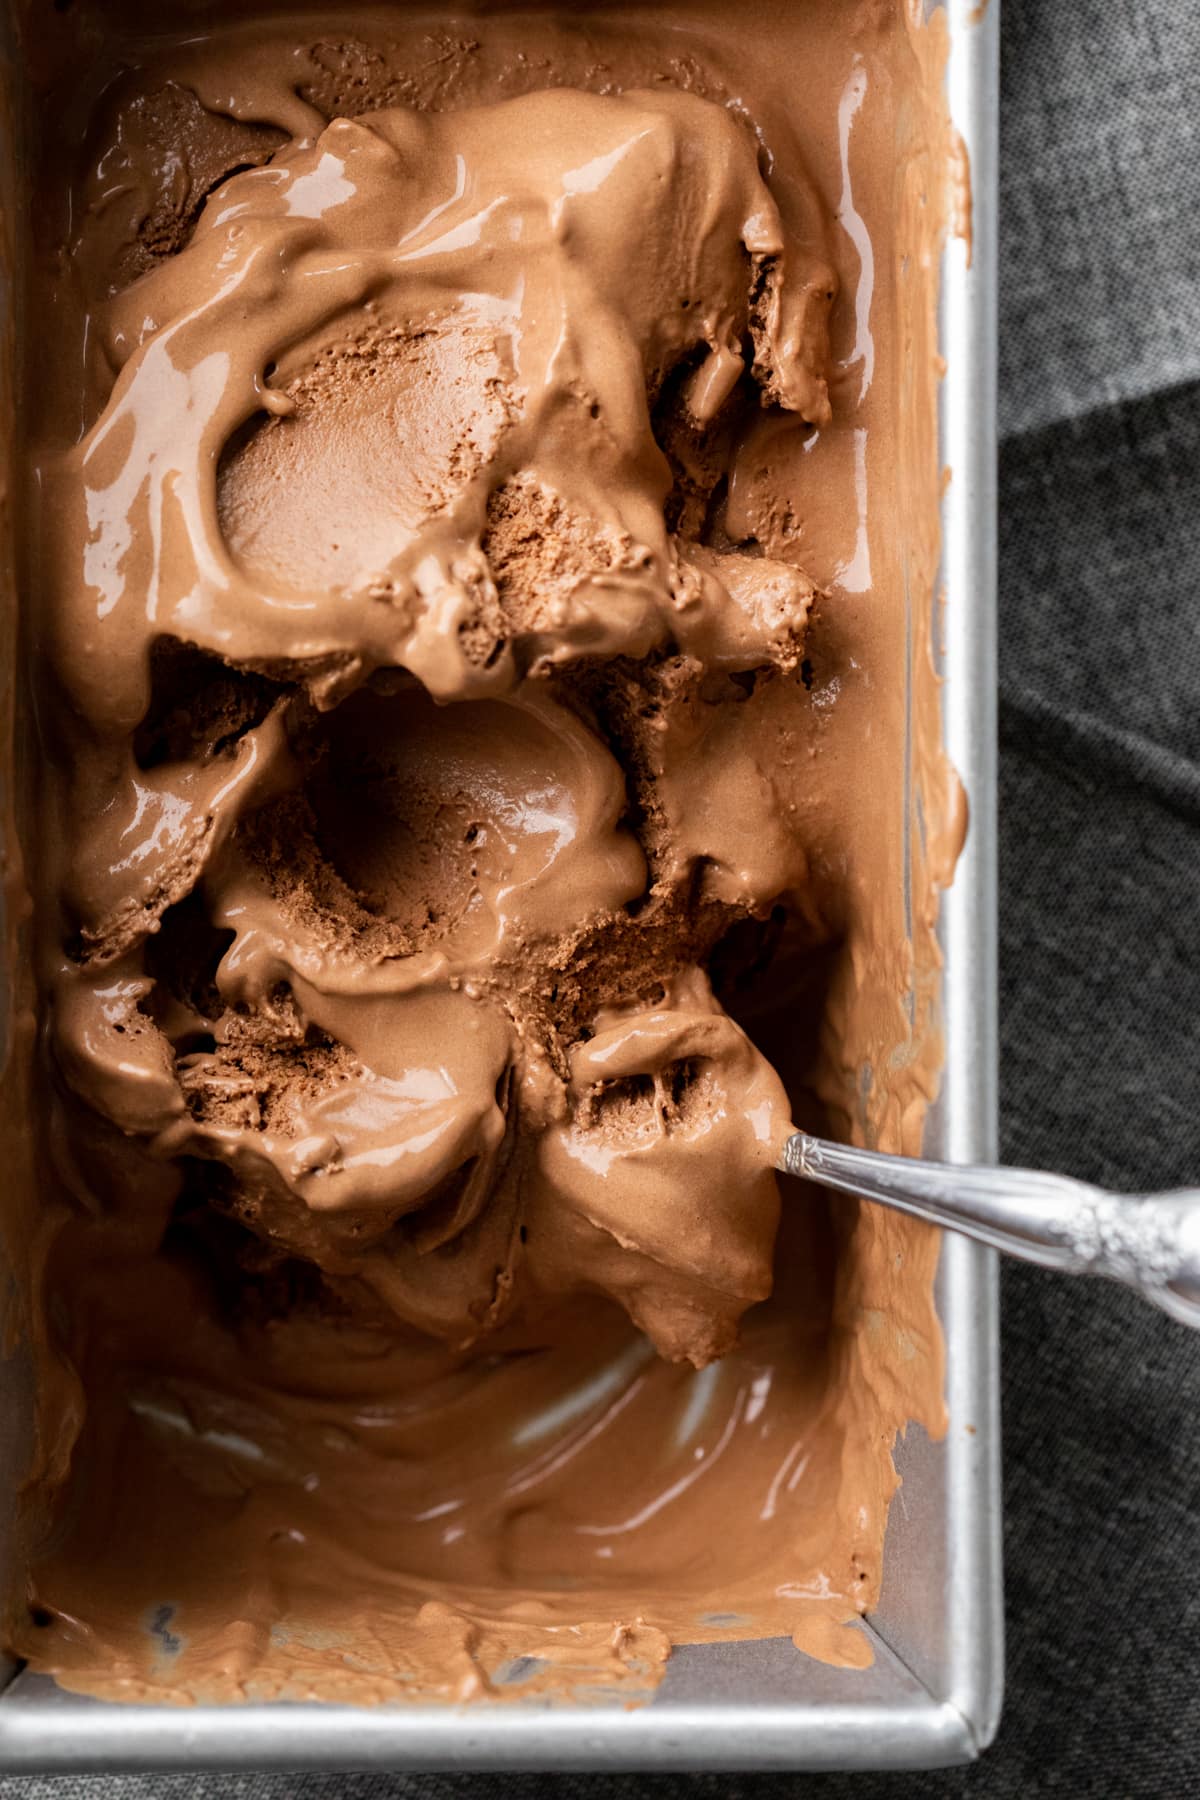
(483, 535)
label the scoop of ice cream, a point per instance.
(409, 337)
(348, 1163)
(657, 1188)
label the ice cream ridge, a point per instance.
(407, 640)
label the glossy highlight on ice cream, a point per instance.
(465, 662)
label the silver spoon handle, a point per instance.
(1148, 1241)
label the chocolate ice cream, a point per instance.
(460, 665)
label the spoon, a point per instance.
(1151, 1242)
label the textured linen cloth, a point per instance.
(1100, 927)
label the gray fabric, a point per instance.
(1100, 838)
(1101, 227)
